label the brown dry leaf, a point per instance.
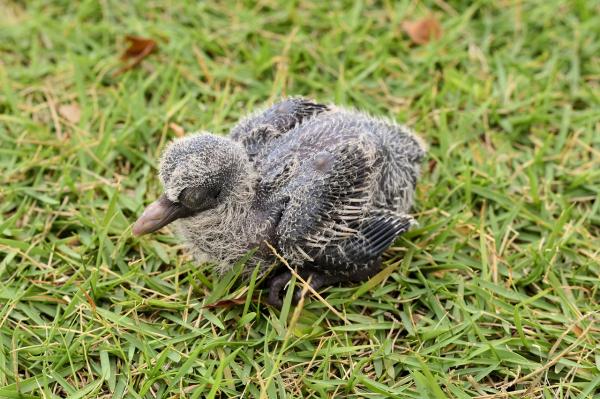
(423, 30)
(440, 273)
(178, 130)
(139, 48)
(463, 229)
(226, 303)
(70, 112)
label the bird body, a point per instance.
(329, 188)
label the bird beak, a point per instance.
(159, 214)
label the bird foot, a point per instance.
(278, 286)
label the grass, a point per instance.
(495, 295)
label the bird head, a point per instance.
(198, 173)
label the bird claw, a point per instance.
(278, 287)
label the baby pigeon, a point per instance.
(328, 187)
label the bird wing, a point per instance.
(327, 221)
(259, 130)
(372, 237)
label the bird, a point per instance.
(329, 188)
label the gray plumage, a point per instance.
(329, 187)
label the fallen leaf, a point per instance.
(226, 303)
(178, 130)
(463, 229)
(138, 49)
(70, 112)
(423, 30)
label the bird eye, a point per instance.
(192, 197)
(198, 198)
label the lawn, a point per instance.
(496, 293)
